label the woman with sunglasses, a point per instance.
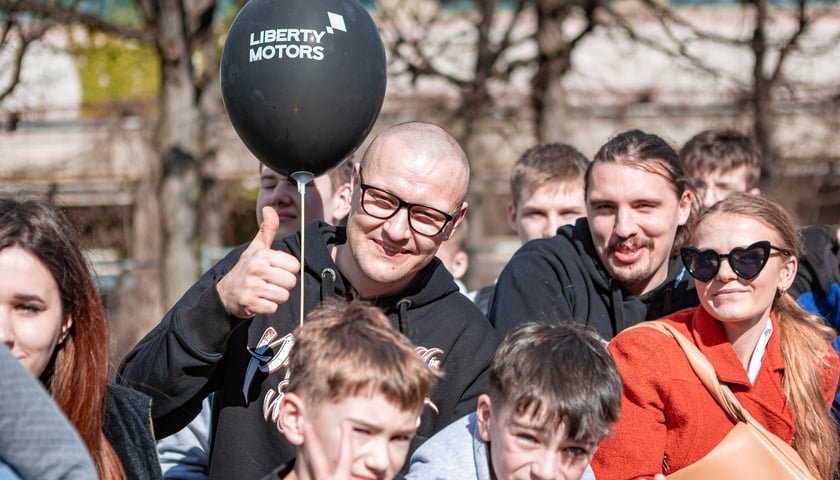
(774, 356)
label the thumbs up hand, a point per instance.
(262, 278)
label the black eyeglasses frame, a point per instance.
(408, 206)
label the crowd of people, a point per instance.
(395, 371)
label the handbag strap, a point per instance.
(705, 372)
(724, 396)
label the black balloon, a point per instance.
(303, 81)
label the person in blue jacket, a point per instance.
(30, 421)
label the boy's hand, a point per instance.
(319, 464)
(262, 278)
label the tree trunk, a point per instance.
(763, 122)
(212, 112)
(554, 60)
(178, 141)
(140, 298)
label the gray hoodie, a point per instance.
(456, 453)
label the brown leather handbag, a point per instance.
(748, 450)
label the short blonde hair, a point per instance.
(540, 165)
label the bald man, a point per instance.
(231, 332)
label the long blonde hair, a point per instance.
(804, 340)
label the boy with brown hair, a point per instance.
(546, 190)
(554, 396)
(719, 162)
(355, 392)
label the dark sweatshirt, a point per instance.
(817, 283)
(562, 278)
(198, 348)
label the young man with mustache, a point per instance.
(617, 266)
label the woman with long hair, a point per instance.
(776, 358)
(54, 322)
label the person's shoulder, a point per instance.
(555, 254)
(457, 317)
(124, 397)
(440, 293)
(818, 241)
(128, 426)
(126, 410)
(439, 453)
(819, 233)
(643, 338)
(548, 246)
(460, 431)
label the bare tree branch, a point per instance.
(16, 36)
(70, 14)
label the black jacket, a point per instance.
(198, 348)
(817, 283)
(128, 426)
(561, 278)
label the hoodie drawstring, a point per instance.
(617, 307)
(403, 306)
(328, 278)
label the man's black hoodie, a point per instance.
(561, 278)
(198, 348)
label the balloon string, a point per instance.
(302, 193)
(302, 178)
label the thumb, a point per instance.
(268, 227)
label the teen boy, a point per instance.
(546, 192)
(720, 162)
(356, 390)
(554, 395)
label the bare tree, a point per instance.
(561, 26)
(479, 49)
(182, 32)
(496, 69)
(771, 35)
(16, 36)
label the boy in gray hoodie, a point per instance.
(554, 395)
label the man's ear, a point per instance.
(482, 417)
(341, 203)
(461, 214)
(511, 217)
(291, 418)
(455, 222)
(685, 205)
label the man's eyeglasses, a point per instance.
(382, 204)
(746, 262)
